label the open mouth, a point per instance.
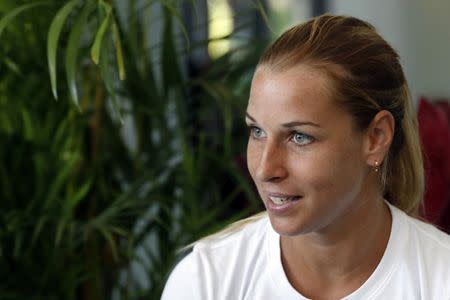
(283, 200)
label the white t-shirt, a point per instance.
(247, 265)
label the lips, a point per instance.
(281, 204)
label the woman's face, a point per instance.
(304, 153)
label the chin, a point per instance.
(288, 227)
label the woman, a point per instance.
(335, 156)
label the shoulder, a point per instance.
(429, 236)
(416, 260)
(426, 254)
(418, 230)
(217, 263)
(246, 233)
(229, 251)
(181, 280)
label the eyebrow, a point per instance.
(288, 124)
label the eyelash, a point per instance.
(292, 135)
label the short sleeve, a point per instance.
(182, 281)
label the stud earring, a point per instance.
(376, 167)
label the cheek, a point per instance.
(252, 158)
(318, 174)
(330, 172)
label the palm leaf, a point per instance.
(72, 50)
(96, 47)
(119, 52)
(53, 38)
(179, 18)
(12, 14)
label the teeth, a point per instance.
(280, 200)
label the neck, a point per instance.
(341, 258)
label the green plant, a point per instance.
(135, 154)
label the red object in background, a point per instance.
(434, 129)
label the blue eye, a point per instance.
(301, 138)
(256, 132)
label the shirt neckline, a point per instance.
(371, 287)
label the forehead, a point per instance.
(297, 92)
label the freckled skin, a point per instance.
(330, 172)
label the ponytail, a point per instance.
(404, 172)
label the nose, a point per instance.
(271, 165)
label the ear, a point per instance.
(379, 137)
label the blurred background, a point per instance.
(122, 136)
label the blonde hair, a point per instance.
(367, 77)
